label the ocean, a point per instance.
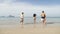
(27, 20)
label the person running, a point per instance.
(34, 17)
(43, 17)
(22, 17)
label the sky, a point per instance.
(29, 7)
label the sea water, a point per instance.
(27, 20)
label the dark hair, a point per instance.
(22, 12)
(42, 11)
(34, 15)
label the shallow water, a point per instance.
(27, 20)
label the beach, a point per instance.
(13, 26)
(30, 29)
(29, 16)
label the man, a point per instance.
(22, 17)
(43, 17)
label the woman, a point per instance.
(34, 17)
(43, 17)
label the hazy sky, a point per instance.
(15, 7)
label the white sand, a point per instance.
(30, 29)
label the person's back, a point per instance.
(43, 15)
(21, 16)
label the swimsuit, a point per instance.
(43, 17)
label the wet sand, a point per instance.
(30, 29)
